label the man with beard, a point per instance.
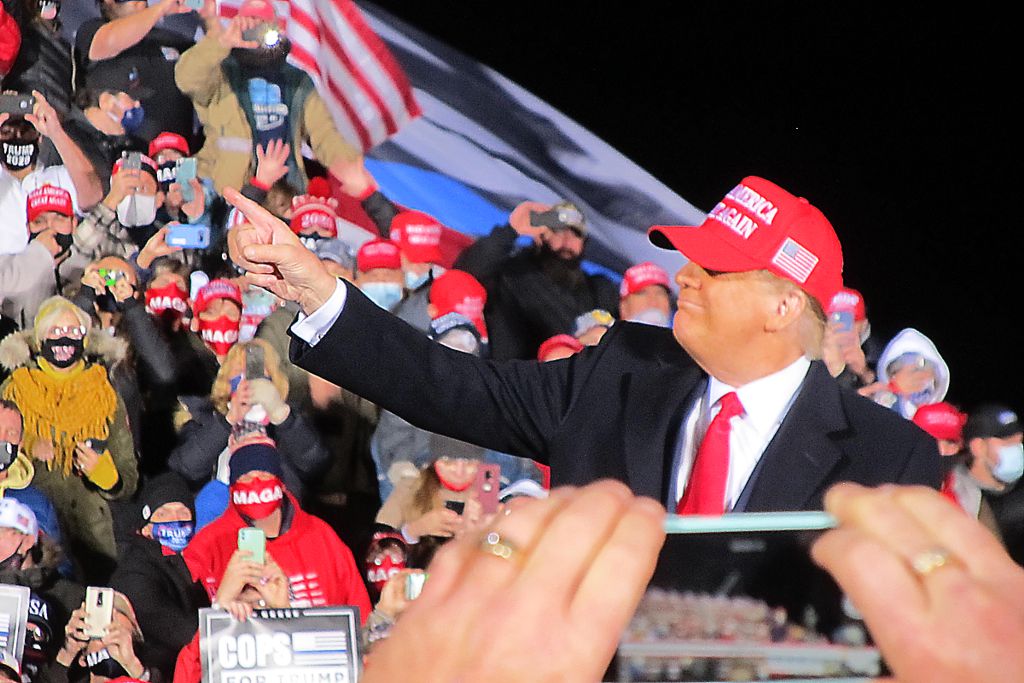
(247, 96)
(535, 293)
(133, 34)
(21, 139)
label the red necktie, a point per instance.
(705, 492)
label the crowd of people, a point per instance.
(214, 319)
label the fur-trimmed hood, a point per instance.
(20, 349)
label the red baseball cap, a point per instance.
(418, 235)
(378, 253)
(559, 341)
(456, 291)
(261, 9)
(941, 421)
(168, 140)
(760, 226)
(642, 275)
(48, 198)
(213, 290)
(311, 211)
(847, 299)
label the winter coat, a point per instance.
(221, 99)
(26, 280)
(204, 436)
(165, 598)
(530, 296)
(320, 568)
(82, 507)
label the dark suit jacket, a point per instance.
(612, 411)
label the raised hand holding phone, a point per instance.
(99, 610)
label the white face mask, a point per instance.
(137, 210)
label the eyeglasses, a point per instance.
(76, 332)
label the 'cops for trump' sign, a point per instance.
(307, 645)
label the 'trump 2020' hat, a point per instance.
(760, 226)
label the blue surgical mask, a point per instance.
(1011, 464)
(234, 382)
(132, 119)
(173, 535)
(414, 281)
(384, 294)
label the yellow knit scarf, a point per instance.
(63, 409)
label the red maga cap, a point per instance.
(378, 253)
(418, 235)
(48, 198)
(559, 341)
(760, 226)
(213, 290)
(261, 9)
(311, 211)
(456, 291)
(847, 299)
(168, 140)
(941, 421)
(642, 275)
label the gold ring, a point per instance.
(924, 563)
(494, 544)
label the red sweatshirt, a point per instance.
(319, 566)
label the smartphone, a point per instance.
(844, 320)
(110, 277)
(194, 4)
(252, 539)
(762, 560)
(16, 104)
(188, 236)
(132, 161)
(99, 610)
(456, 506)
(255, 365)
(486, 484)
(185, 170)
(414, 585)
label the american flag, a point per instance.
(793, 259)
(363, 85)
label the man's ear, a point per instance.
(788, 307)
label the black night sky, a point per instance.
(894, 120)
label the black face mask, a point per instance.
(20, 154)
(263, 59)
(48, 348)
(63, 241)
(102, 663)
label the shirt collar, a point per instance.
(766, 399)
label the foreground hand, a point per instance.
(272, 162)
(555, 609)
(273, 585)
(240, 572)
(437, 522)
(392, 596)
(353, 176)
(961, 621)
(75, 637)
(274, 258)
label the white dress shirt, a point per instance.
(766, 402)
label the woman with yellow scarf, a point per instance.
(75, 427)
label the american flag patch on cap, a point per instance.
(794, 260)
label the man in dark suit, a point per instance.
(643, 406)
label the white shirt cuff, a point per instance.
(312, 328)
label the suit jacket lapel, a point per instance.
(800, 456)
